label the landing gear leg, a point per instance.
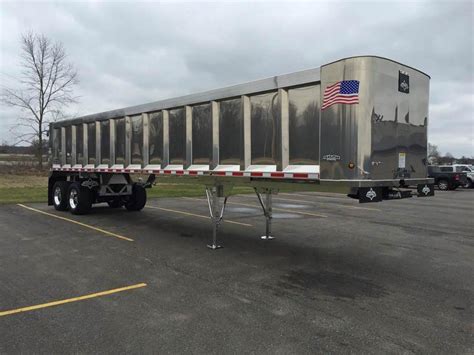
(267, 210)
(216, 211)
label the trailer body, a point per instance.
(266, 134)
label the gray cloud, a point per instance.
(132, 53)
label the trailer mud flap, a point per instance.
(370, 194)
(425, 190)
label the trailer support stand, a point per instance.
(216, 211)
(267, 209)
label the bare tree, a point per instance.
(45, 88)
(433, 151)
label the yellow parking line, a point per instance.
(79, 223)
(196, 215)
(322, 203)
(69, 300)
(274, 208)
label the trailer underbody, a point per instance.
(78, 191)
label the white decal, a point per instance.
(402, 160)
(90, 184)
(331, 157)
(426, 190)
(371, 194)
(404, 85)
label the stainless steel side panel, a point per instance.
(112, 141)
(177, 137)
(384, 127)
(231, 133)
(68, 144)
(128, 138)
(73, 147)
(304, 119)
(56, 138)
(155, 140)
(166, 138)
(136, 142)
(246, 117)
(399, 122)
(345, 129)
(85, 140)
(105, 143)
(284, 107)
(146, 137)
(201, 134)
(215, 113)
(120, 141)
(265, 129)
(91, 132)
(63, 146)
(80, 144)
(188, 122)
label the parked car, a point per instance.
(446, 178)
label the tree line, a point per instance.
(435, 157)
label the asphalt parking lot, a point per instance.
(394, 277)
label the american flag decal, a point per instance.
(343, 92)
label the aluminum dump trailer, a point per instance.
(357, 125)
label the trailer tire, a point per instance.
(79, 199)
(137, 200)
(443, 185)
(60, 189)
(115, 203)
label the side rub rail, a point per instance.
(253, 174)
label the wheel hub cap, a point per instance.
(57, 196)
(73, 199)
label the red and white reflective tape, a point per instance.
(253, 174)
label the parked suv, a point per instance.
(461, 168)
(446, 177)
(469, 170)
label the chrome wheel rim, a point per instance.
(73, 199)
(57, 196)
(443, 186)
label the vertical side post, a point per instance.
(166, 138)
(112, 141)
(215, 111)
(98, 155)
(63, 145)
(189, 137)
(85, 142)
(146, 137)
(73, 145)
(285, 129)
(128, 141)
(247, 132)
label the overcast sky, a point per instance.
(130, 53)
